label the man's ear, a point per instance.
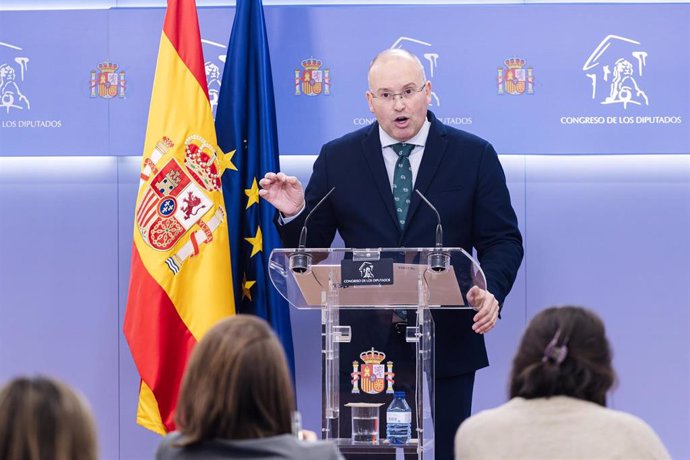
(427, 92)
(370, 100)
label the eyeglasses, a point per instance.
(406, 94)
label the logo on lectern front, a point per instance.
(373, 376)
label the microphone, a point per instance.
(300, 261)
(438, 260)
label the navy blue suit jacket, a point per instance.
(461, 175)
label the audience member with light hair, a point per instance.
(43, 419)
(558, 385)
(237, 400)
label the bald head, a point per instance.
(394, 54)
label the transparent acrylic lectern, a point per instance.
(359, 282)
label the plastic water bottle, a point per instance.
(399, 420)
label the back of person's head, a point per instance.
(564, 351)
(43, 419)
(237, 384)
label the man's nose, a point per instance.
(398, 101)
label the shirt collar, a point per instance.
(418, 139)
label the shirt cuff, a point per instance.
(282, 220)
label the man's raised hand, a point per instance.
(284, 192)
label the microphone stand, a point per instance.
(438, 260)
(300, 260)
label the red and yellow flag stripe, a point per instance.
(177, 291)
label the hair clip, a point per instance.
(554, 352)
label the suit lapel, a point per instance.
(371, 149)
(434, 151)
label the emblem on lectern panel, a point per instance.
(373, 376)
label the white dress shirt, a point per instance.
(390, 158)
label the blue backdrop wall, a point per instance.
(599, 176)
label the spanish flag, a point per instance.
(180, 281)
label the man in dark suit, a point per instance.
(374, 171)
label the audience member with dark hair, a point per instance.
(43, 419)
(561, 375)
(237, 400)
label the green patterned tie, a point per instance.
(402, 191)
(402, 181)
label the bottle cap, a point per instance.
(399, 394)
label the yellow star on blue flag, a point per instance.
(246, 123)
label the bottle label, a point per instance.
(399, 417)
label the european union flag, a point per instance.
(246, 122)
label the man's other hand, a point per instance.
(487, 309)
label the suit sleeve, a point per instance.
(495, 230)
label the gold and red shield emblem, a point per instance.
(514, 78)
(176, 197)
(171, 205)
(373, 377)
(107, 82)
(311, 80)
